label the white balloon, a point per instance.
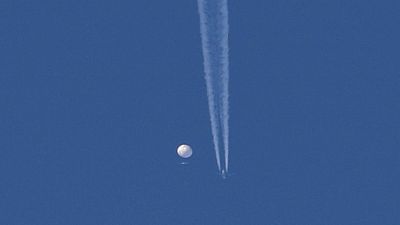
(184, 151)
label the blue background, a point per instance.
(95, 96)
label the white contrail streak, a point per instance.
(214, 31)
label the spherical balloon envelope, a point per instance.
(184, 151)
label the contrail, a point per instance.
(214, 31)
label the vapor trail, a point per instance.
(214, 31)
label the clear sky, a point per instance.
(95, 96)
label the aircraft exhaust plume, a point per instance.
(214, 31)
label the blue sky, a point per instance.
(95, 96)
